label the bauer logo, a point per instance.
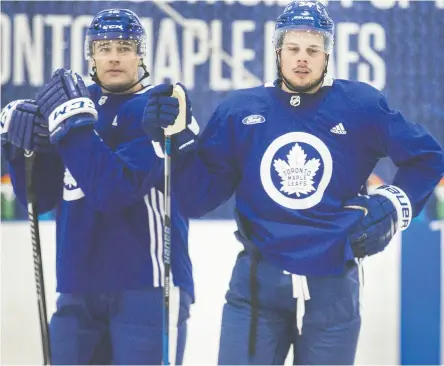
(253, 119)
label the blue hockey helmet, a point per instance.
(305, 15)
(115, 24)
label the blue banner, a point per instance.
(217, 46)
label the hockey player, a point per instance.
(296, 152)
(101, 171)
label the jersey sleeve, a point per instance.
(411, 147)
(48, 177)
(209, 176)
(112, 179)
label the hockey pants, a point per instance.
(259, 317)
(117, 328)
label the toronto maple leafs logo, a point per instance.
(303, 173)
(71, 191)
(297, 173)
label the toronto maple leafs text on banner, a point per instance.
(216, 46)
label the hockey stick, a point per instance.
(179, 125)
(166, 253)
(37, 254)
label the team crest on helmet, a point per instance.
(296, 169)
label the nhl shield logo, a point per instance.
(295, 100)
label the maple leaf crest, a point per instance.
(297, 173)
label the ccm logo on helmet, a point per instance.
(113, 26)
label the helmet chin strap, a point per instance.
(96, 79)
(296, 89)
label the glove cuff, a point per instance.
(69, 109)
(400, 200)
(6, 113)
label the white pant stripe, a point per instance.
(156, 205)
(152, 242)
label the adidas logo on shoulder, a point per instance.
(339, 129)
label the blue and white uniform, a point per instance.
(292, 161)
(107, 186)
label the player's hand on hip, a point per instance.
(65, 103)
(23, 128)
(384, 212)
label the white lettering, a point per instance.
(167, 63)
(195, 49)
(77, 45)
(344, 55)
(217, 81)
(368, 32)
(28, 50)
(58, 23)
(241, 54)
(5, 36)
(269, 53)
(383, 4)
(249, 2)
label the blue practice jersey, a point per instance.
(294, 160)
(108, 187)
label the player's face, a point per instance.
(302, 60)
(116, 63)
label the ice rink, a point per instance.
(213, 251)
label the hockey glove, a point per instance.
(23, 128)
(185, 137)
(65, 103)
(161, 110)
(168, 111)
(385, 211)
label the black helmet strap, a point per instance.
(96, 79)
